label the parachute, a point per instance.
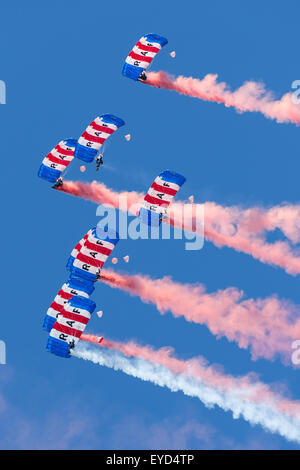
(95, 135)
(94, 252)
(86, 148)
(71, 309)
(70, 325)
(57, 160)
(159, 196)
(76, 250)
(68, 290)
(142, 55)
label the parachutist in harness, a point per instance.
(99, 161)
(58, 183)
(143, 77)
(163, 216)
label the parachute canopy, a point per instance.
(70, 325)
(95, 135)
(159, 196)
(94, 252)
(76, 250)
(142, 55)
(67, 291)
(57, 160)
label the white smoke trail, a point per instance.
(270, 418)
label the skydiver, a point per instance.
(58, 183)
(143, 77)
(163, 216)
(99, 161)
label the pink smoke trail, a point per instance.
(251, 96)
(248, 385)
(100, 194)
(266, 326)
(244, 230)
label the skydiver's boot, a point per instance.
(99, 162)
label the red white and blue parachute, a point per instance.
(95, 135)
(70, 325)
(71, 309)
(90, 254)
(159, 196)
(86, 148)
(76, 250)
(55, 163)
(141, 56)
(68, 290)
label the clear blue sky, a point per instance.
(62, 66)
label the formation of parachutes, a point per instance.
(72, 308)
(86, 148)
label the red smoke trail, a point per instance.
(251, 96)
(266, 326)
(245, 230)
(99, 193)
(249, 386)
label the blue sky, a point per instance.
(62, 67)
